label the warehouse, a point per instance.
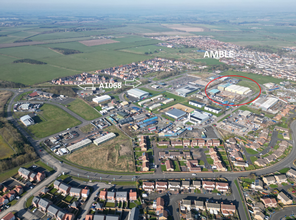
(168, 101)
(213, 109)
(27, 120)
(102, 98)
(223, 86)
(139, 117)
(79, 145)
(266, 103)
(241, 90)
(186, 90)
(214, 91)
(156, 97)
(141, 103)
(175, 113)
(126, 120)
(137, 93)
(25, 106)
(199, 117)
(154, 106)
(196, 104)
(105, 138)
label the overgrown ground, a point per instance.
(113, 155)
(83, 109)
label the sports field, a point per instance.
(113, 155)
(83, 109)
(51, 120)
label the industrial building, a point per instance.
(265, 103)
(154, 106)
(186, 90)
(196, 104)
(141, 103)
(199, 117)
(168, 101)
(175, 113)
(27, 120)
(223, 86)
(99, 99)
(79, 145)
(25, 106)
(213, 109)
(137, 93)
(214, 91)
(241, 90)
(156, 97)
(104, 138)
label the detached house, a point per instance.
(4, 200)
(40, 176)
(74, 191)
(269, 180)
(283, 198)
(9, 216)
(11, 195)
(269, 202)
(103, 194)
(281, 178)
(19, 189)
(291, 173)
(85, 192)
(169, 165)
(132, 196)
(24, 173)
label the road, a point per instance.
(286, 162)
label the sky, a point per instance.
(101, 5)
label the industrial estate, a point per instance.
(164, 134)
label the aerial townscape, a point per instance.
(155, 111)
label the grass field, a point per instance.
(52, 120)
(258, 78)
(5, 150)
(248, 83)
(87, 128)
(208, 61)
(83, 109)
(113, 155)
(251, 151)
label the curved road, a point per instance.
(286, 162)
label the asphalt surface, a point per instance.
(287, 162)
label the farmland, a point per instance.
(83, 109)
(113, 155)
(51, 120)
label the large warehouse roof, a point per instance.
(137, 92)
(175, 113)
(105, 138)
(79, 144)
(102, 98)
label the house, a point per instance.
(189, 216)
(257, 185)
(74, 205)
(269, 180)
(61, 214)
(112, 217)
(99, 217)
(145, 166)
(259, 216)
(35, 201)
(44, 190)
(64, 188)
(209, 185)
(68, 216)
(148, 186)
(199, 205)
(159, 203)
(210, 143)
(52, 210)
(74, 191)
(134, 214)
(103, 194)
(163, 143)
(162, 214)
(143, 143)
(186, 203)
(56, 184)
(213, 207)
(192, 166)
(4, 200)
(111, 196)
(176, 143)
(216, 142)
(43, 204)
(186, 143)
(19, 189)
(132, 196)
(269, 202)
(85, 192)
(99, 206)
(89, 217)
(261, 162)
(9, 216)
(281, 178)
(291, 173)
(161, 186)
(283, 198)
(33, 177)
(231, 141)
(201, 142)
(24, 173)
(227, 209)
(222, 187)
(11, 195)
(121, 196)
(194, 143)
(169, 165)
(174, 186)
(40, 176)
(196, 184)
(185, 184)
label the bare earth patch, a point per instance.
(185, 28)
(180, 107)
(90, 43)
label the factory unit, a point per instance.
(141, 103)
(168, 101)
(156, 97)
(175, 113)
(222, 87)
(186, 90)
(137, 93)
(79, 145)
(196, 104)
(241, 90)
(214, 91)
(265, 103)
(154, 106)
(99, 99)
(199, 117)
(213, 109)
(104, 138)
(27, 120)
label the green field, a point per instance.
(258, 78)
(52, 120)
(209, 61)
(248, 83)
(251, 151)
(5, 150)
(83, 110)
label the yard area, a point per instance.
(83, 109)
(113, 155)
(87, 128)
(51, 120)
(251, 151)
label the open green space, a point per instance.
(208, 61)
(5, 149)
(51, 120)
(87, 128)
(83, 109)
(284, 170)
(41, 164)
(248, 83)
(251, 151)
(258, 78)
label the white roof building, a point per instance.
(105, 138)
(79, 145)
(137, 93)
(102, 98)
(27, 120)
